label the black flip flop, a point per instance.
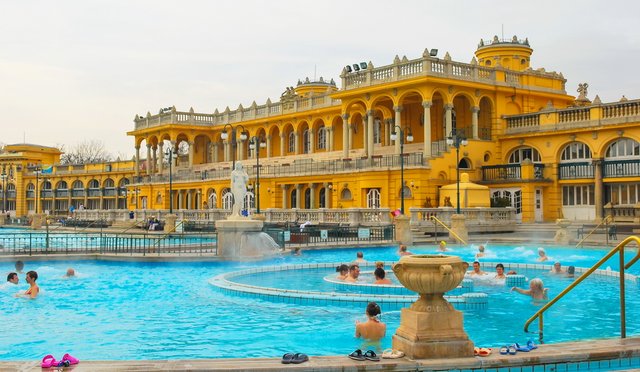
(287, 358)
(371, 355)
(357, 355)
(299, 358)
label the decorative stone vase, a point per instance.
(431, 327)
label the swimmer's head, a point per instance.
(373, 309)
(481, 248)
(380, 264)
(379, 273)
(442, 242)
(360, 255)
(32, 275)
(343, 269)
(71, 272)
(541, 251)
(13, 278)
(403, 248)
(536, 284)
(476, 265)
(571, 270)
(19, 266)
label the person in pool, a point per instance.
(542, 255)
(354, 273)
(19, 266)
(343, 272)
(480, 251)
(403, 251)
(70, 273)
(359, 258)
(373, 329)
(500, 272)
(476, 270)
(536, 290)
(442, 247)
(33, 290)
(571, 272)
(380, 274)
(13, 278)
(557, 269)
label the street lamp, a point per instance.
(169, 153)
(255, 144)
(456, 139)
(243, 136)
(394, 137)
(4, 191)
(38, 172)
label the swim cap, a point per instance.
(443, 242)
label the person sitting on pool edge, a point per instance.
(343, 272)
(380, 274)
(536, 290)
(373, 329)
(354, 272)
(33, 290)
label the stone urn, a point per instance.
(431, 327)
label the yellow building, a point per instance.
(383, 133)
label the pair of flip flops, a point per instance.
(481, 351)
(526, 348)
(508, 350)
(294, 358)
(67, 360)
(368, 355)
(392, 354)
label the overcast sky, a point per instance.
(80, 70)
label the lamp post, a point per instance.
(234, 143)
(37, 171)
(169, 153)
(255, 144)
(394, 137)
(4, 191)
(456, 139)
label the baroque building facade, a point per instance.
(541, 151)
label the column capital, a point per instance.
(312, 185)
(283, 186)
(426, 104)
(448, 106)
(137, 147)
(345, 116)
(148, 145)
(398, 108)
(298, 186)
(475, 109)
(370, 113)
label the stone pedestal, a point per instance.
(458, 225)
(431, 327)
(403, 230)
(232, 235)
(37, 220)
(170, 222)
(562, 234)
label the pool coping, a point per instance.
(601, 353)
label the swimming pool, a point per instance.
(124, 310)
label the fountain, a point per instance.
(240, 237)
(431, 327)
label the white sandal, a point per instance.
(392, 354)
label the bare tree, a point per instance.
(86, 152)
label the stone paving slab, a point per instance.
(583, 351)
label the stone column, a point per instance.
(447, 119)
(312, 144)
(282, 145)
(148, 160)
(298, 196)
(284, 196)
(312, 203)
(269, 150)
(398, 123)
(296, 145)
(161, 158)
(214, 148)
(240, 150)
(426, 146)
(327, 194)
(329, 134)
(345, 135)
(598, 189)
(474, 121)
(370, 118)
(137, 161)
(155, 160)
(227, 145)
(388, 124)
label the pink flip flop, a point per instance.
(70, 359)
(49, 361)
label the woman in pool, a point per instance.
(500, 272)
(542, 255)
(442, 247)
(33, 290)
(380, 277)
(343, 272)
(373, 329)
(536, 290)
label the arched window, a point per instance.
(377, 131)
(322, 138)
(293, 197)
(576, 151)
(407, 192)
(46, 185)
(519, 155)
(62, 185)
(227, 199)
(109, 183)
(623, 148)
(249, 201)
(306, 143)
(292, 142)
(464, 163)
(212, 199)
(123, 182)
(77, 185)
(322, 202)
(94, 184)
(307, 199)
(373, 198)
(345, 194)
(31, 186)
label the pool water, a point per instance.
(122, 310)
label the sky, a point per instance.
(76, 71)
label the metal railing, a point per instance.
(605, 221)
(618, 249)
(438, 222)
(327, 235)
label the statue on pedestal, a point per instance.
(239, 179)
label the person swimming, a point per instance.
(480, 252)
(380, 274)
(542, 255)
(343, 272)
(476, 270)
(13, 278)
(442, 247)
(354, 273)
(70, 273)
(373, 329)
(403, 251)
(33, 290)
(536, 290)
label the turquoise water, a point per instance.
(118, 310)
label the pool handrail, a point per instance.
(167, 233)
(604, 221)
(435, 219)
(135, 224)
(618, 249)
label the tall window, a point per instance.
(377, 131)
(322, 138)
(249, 200)
(578, 195)
(227, 199)
(322, 202)
(307, 198)
(292, 142)
(306, 142)
(293, 194)
(373, 198)
(519, 155)
(212, 199)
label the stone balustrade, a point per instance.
(576, 117)
(474, 216)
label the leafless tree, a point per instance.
(86, 152)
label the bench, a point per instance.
(611, 230)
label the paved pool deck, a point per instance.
(607, 354)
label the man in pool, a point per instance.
(476, 270)
(70, 273)
(536, 290)
(13, 278)
(359, 258)
(557, 269)
(354, 272)
(19, 266)
(403, 251)
(380, 274)
(480, 251)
